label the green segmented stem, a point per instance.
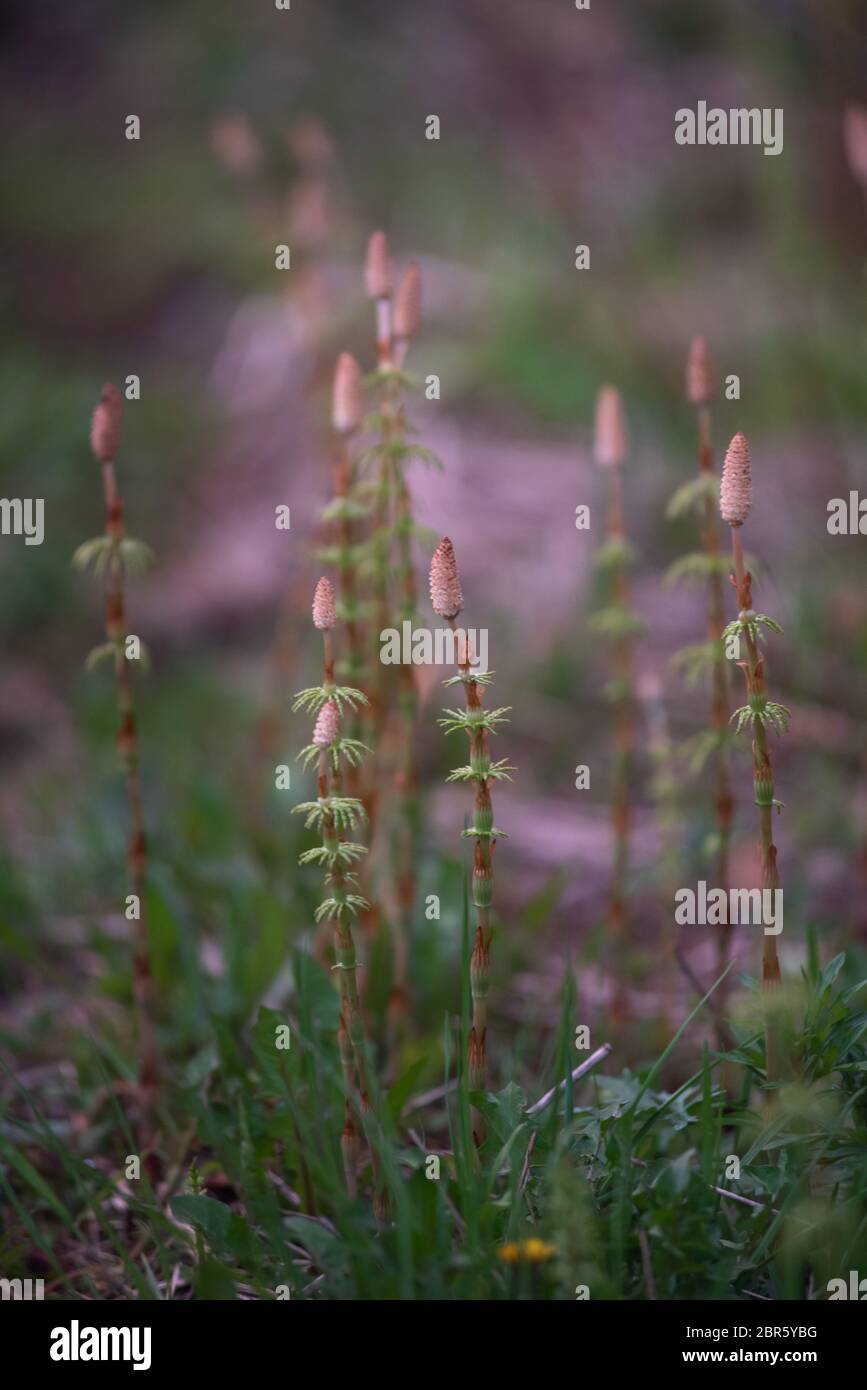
(351, 1040)
(334, 813)
(482, 887)
(763, 783)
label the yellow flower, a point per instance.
(536, 1250)
(511, 1252)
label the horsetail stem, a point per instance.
(347, 512)
(344, 512)
(378, 279)
(395, 595)
(333, 814)
(349, 1137)
(407, 311)
(447, 601)
(618, 623)
(759, 713)
(115, 554)
(407, 319)
(699, 385)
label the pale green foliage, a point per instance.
(98, 554)
(315, 696)
(332, 815)
(496, 772)
(702, 745)
(752, 626)
(344, 509)
(387, 376)
(348, 903)
(351, 750)
(617, 690)
(106, 651)
(398, 451)
(135, 556)
(615, 553)
(465, 678)
(697, 566)
(616, 622)
(336, 556)
(345, 811)
(765, 712)
(114, 651)
(693, 495)
(406, 526)
(95, 553)
(470, 720)
(343, 852)
(696, 660)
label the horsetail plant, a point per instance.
(393, 525)
(619, 625)
(394, 585)
(759, 713)
(378, 279)
(708, 565)
(406, 321)
(113, 556)
(346, 515)
(343, 514)
(407, 311)
(334, 814)
(478, 723)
